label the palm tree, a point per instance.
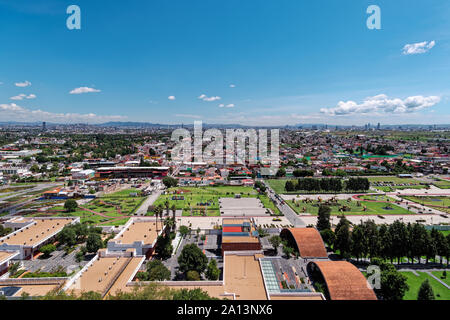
(158, 212)
(174, 211)
(166, 204)
(169, 223)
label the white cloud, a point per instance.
(231, 105)
(83, 90)
(171, 98)
(204, 97)
(418, 48)
(13, 112)
(232, 86)
(23, 96)
(382, 103)
(193, 116)
(23, 84)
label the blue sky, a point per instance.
(271, 62)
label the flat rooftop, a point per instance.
(139, 231)
(233, 232)
(34, 234)
(33, 290)
(107, 273)
(7, 255)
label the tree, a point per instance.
(184, 231)
(275, 242)
(393, 285)
(358, 245)
(289, 186)
(157, 271)
(4, 231)
(47, 250)
(193, 294)
(425, 291)
(192, 258)
(192, 275)
(170, 182)
(343, 241)
(94, 242)
(164, 247)
(288, 251)
(212, 271)
(281, 172)
(329, 237)
(67, 236)
(323, 219)
(70, 205)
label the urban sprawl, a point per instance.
(107, 212)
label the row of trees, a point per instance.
(152, 291)
(310, 184)
(328, 184)
(388, 242)
(357, 184)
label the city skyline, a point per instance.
(261, 64)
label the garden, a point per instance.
(346, 207)
(204, 201)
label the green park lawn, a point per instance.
(393, 180)
(439, 274)
(378, 198)
(277, 185)
(430, 201)
(395, 183)
(441, 183)
(194, 197)
(373, 208)
(414, 283)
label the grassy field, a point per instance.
(431, 201)
(197, 199)
(109, 208)
(378, 198)
(442, 183)
(15, 189)
(372, 208)
(428, 201)
(389, 184)
(414, 282)
(277, 185)
(439, 274)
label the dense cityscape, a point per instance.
(106, 212)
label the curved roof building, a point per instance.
(343, 280)
(308, 241)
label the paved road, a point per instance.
(284, 208)
(142, 210)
